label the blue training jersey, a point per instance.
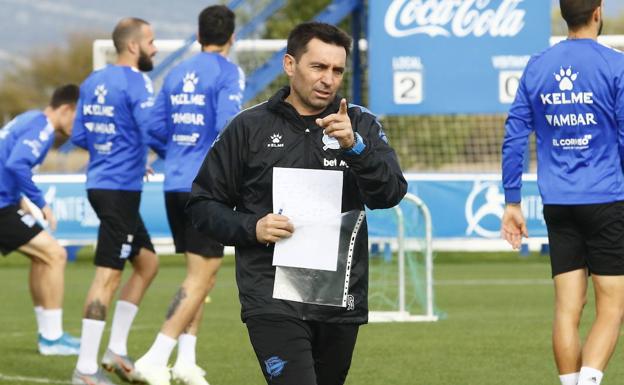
(24, 144)
(198, 97)
(572, 96)
(111, 123)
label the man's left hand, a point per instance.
(513, 225)
(338, 126)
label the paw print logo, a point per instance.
(276, 138)
(190, 81)
(100, 92)
(566, 79)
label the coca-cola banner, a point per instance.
(451, 56)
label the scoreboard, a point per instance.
(451, 56)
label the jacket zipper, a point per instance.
(306, 148)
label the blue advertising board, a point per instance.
(461, 205)
(451, 56)
(472, 206)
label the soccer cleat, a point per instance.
(72, 339)
(65, 345)
(123, 366)
(152, 374)
(99, 378)
(188, 374)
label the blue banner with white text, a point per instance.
(461, 206)
(451, 56)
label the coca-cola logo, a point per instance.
(459, 18)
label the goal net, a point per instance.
(401, 263)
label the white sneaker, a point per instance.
(188, 374)
(152, 374)
(65, 345)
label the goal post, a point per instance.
(401, 283)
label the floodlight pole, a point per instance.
(356, 62)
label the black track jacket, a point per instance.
(232, 191)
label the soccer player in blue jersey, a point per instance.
(572, 97)
(24, 144)
(111, 120)
(197, 98)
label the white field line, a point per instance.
(155, 327)
(493, 282)
(30, 380)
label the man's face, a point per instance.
(147, 50)
(315, 77)
(66, 114)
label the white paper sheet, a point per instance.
(312, 200)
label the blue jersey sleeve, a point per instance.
(518, 127)
(29, 151)
(230, 97)
(158, 128)
(79, 135)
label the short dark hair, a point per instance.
(216, 25)
(125, 30)
(301, 35)
(577, 13)
(66, 94)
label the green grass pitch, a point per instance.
(496, 330)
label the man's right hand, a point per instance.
(24, 206)
(273, 227)
(513, 226)
(49, 216)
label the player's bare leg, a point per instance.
(570, 298)
(603, 336)
(47, 288)
(183, 314)
(103, 288)
(47, 274)
(201, 275)
(145, 268)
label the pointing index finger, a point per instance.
(343, 106)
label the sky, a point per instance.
(42, 23)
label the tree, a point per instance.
(30, 85)
(613, 25)
(293, 13)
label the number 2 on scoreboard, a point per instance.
(408, 87)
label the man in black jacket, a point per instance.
(304, 125)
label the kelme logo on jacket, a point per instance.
(275, 141)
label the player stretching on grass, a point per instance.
(24, 143)
(572, 96)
